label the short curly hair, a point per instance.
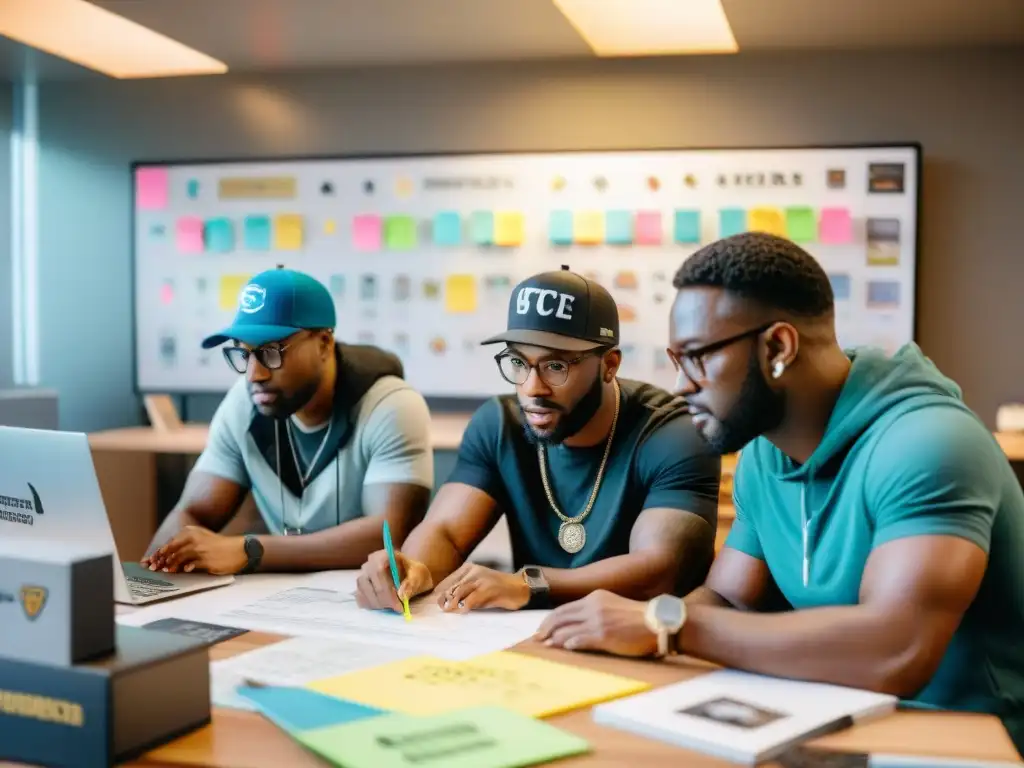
(764, 268)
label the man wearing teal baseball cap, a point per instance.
(328, 437)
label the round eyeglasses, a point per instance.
(516, 370)
(271, 357)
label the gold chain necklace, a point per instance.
(572, 536)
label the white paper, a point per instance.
(296, 662)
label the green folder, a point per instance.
(476, 737)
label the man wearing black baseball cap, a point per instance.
(605, 481)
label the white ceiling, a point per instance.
(275, 35)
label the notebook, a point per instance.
(742, 717)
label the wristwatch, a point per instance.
(540, 592)
(665, 616)
(254, 551)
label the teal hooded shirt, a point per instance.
(902, 455)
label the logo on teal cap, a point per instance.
(252, 298)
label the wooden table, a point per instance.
(245, 740)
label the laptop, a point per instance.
(49, 492)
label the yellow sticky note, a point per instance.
(329, 227)
(588, 227)
(460, 294)
(768, 220)
(424, 685)
(508, 228)
(230, 287)
(288, 232)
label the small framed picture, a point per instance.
(885, 178)
(835, 178)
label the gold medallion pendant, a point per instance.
(572, 537)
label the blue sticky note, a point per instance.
(447, 228)
(219, 235)
(560, 227)
(731, 221)
(256, 231)
(481, 227)
(687, 226)
(618, 227)
(302, 709)
(192, 189)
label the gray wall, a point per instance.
(965, 108)
(6, 331)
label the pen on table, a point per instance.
(394, 569)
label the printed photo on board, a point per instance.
(835, 178)
(883, 294)
(883, 236)
(885, 177)
(840, 286)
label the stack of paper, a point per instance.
(425, 685)
(742, 717)
(482, 737)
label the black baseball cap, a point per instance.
(560, 310)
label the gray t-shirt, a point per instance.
(389, 443)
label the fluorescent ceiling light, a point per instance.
(650, 27)
(98, 39)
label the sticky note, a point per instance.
(220, 235)
(230, 287)
(647, 228)
(460, 294)
(478, 737)
(300, 709)
(508, 228)
(329, 227)
(560, 227)
(189, 234)
(588, 227)
(687, 226)
(801, 225)
(424, 685)
(400, 233)
(288, 232)
(768, 220)
(481, 227)
(192, 189)
(256, 233)
(366, 232)
(447, 228)
(151, 185)
(835, 226)
(731, 221)
(618, 228)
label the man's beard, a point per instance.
(286, 405)
(569, 422)
(758, 409)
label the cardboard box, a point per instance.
(152, 689)
(56, 602)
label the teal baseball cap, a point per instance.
(275, 304)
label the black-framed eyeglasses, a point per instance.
(271, 356)
(691, 362)
(553, 372)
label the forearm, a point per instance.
(639, 575)
(342, 547)
(430, 544)
(704, 595)
(850, 645)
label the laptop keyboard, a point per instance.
(140, 586)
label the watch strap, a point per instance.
(254, 553)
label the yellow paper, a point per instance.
(588, 227)
(288, 232)
(460, 294)
(768, 220)
(424, 685)
(230, 287)
(329, 227)
(508, 228)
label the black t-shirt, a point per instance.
(657, 459)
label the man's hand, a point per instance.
(199, 549)
(473, 587)
(375, 587)
(601, 621)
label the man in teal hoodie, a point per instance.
(868, 497)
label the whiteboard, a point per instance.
(421, 252)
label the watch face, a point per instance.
(534, 576)
(669, 611)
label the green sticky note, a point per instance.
(801, 224)
(481, 227)
(400, 233)
(476, 737)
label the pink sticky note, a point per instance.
(366, 231)
(835, 226)
(189, 234)
(647, 228)
(151, 189)
(167, 293)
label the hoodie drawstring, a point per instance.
(804, 523)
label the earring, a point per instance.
(778, 368)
